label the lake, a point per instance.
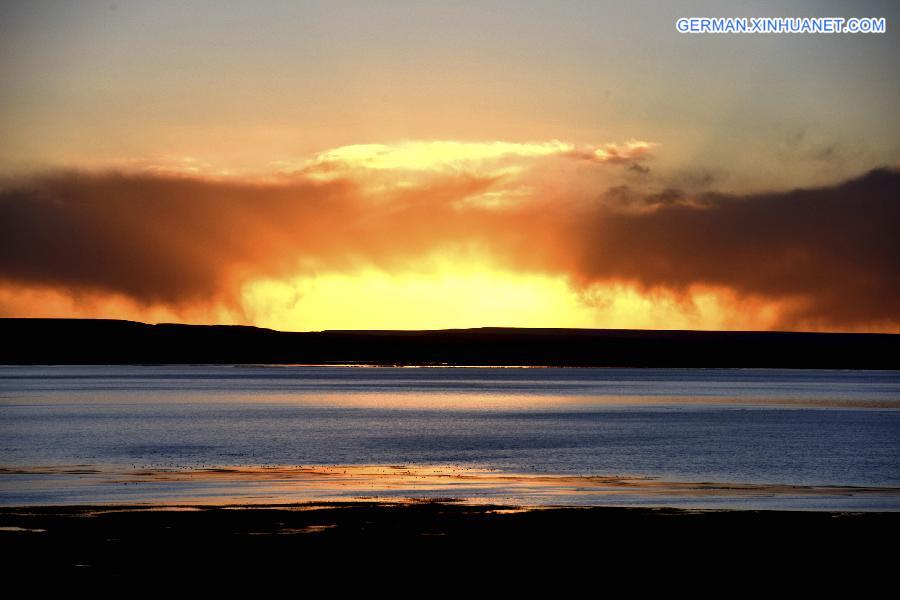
(674, 437)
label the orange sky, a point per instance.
(313, 165)
(446, 234)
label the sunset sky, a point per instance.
(417, 165)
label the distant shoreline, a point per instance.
(111, 342)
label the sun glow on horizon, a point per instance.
(427, 234)
(449, 298)
(446, 297)
(465, 296)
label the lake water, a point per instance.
(761, 438)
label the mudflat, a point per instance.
(131, 540)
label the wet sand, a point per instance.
(431, 525)
(232, 541)
(87, 484)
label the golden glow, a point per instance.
(23, 302)
(429, 155)
(436, 294)
(412, 235)
(423, 156)
(308, 483)
(443, 155)
(448, 296)
(443, 299)
(629, 150)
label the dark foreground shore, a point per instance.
(136, 541)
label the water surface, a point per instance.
(84, 434)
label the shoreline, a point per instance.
(128, 539)
(222, 485)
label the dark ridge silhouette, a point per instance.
(100, 341)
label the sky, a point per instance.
(417, 165)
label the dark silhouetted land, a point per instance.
(447, 540)
(90, 341)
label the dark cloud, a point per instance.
(175, 240)
(826, 151)
(154, 239)
(639, 168)
(834, 252)
(831, 254)
(698, 179)
(626, 197)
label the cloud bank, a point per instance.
(829, 257)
